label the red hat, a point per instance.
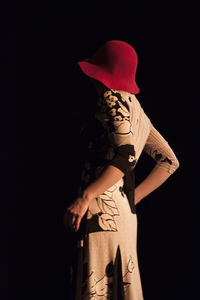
(114, 64)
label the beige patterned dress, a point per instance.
(107, 262)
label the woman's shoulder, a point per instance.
(124, 96)
(127, 99)
(137, 107)
(121, 95)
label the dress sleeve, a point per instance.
(119, 126)
(158, 148)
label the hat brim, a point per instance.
(99, 73)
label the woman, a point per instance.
(103, 217)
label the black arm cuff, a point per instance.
(124, 158)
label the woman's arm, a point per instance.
(112, 175)
(155, 178)
(108, 178)
(166, 164)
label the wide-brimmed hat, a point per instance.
(114, 64)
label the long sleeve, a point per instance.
(118, 122)
(159, 149)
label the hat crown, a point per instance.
(114, 64)
(117, 56)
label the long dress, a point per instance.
(106, 265)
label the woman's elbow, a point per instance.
(174, 166)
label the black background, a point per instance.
(45, 97)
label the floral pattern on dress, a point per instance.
(154, 153)
(103, 286)
(118, 110)
(101, 215)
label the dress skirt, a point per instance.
(107, 262)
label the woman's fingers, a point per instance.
(72, 221)
(74, 214)
(78, 221)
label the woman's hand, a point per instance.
(74, 213)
